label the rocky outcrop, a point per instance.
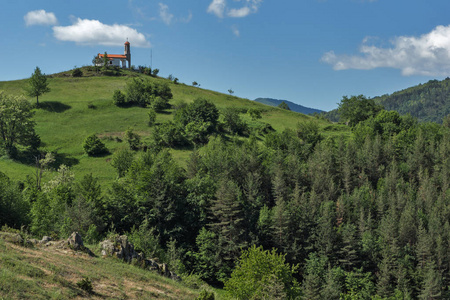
(120, 247)
(75, 242)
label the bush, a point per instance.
(151, 117)
(119, 98)
(121, 161)
(86, 285)
(93, 146)
(77, 72)
(205, 295)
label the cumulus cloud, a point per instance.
(40, 17)
(217, 7)
(164, 13)
(428, 54)
(93, 32)
(220, 9)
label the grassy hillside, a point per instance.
(78, 107)
(49, 272)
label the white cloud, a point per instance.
(164, 13)
(93, 32)
(428, 54)
(239, 13)
(219, 7)
(235, 31)
(40, 17)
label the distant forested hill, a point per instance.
(427, 102)
(292, 105)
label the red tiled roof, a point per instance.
(114, 56)
(127, 43)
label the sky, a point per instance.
(311, 52)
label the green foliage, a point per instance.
(233, 122)
(205, 295)
(151, 117)
(93, 146)
(254, 113)
(155, 72)
(133, 139)
(143, 92)
(199, 111)
(13, 207)
(86, 285)
(77, 72)
(16, 124)
(283, 105)
(357, 108)
(260, 269)
(119, 98)
(38, 85)
(121, 161)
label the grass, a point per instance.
(78, 107)
(52, 273)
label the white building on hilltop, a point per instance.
(118, 60)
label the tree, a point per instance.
(38, 85)
(230, 91)
(93, 146)
(105, 61)
(283, 105)
(96, 61)
(16, 124)
(263, 274)
(357, 108)
(254, 113)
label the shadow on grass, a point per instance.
(29, 157)
(54, 106)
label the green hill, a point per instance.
(429, 102)
(78, 107)
(293, 106)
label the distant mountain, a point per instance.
(292, 105)
(428, 102)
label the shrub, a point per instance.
(77, 72)
(151, 117)
(86, 285)
(133, 139)
(155, 72)
(121, 161)
(93, 146)
(205, 295)
(119, 98)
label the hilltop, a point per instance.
(78, 107)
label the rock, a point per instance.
(174, 276)
(75, 241)
(45, 239)
(119, 247)
(14, 238)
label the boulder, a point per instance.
(45, 239)
(75, 241)
(119, 247)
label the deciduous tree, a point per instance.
(38, 85)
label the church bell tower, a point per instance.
(128, 53)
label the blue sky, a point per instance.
(311, 52)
